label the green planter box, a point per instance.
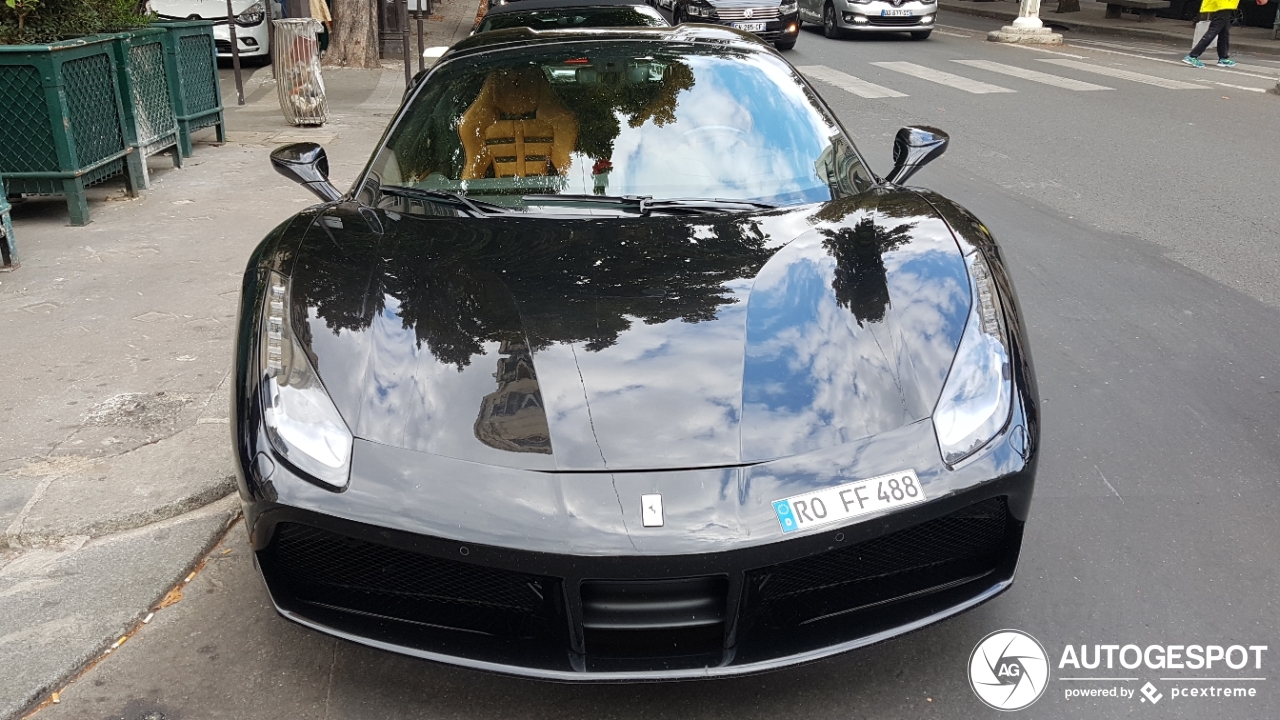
(191, 65)
(8, 248)
(151, 124)
(62, 123)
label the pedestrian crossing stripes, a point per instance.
(847, 82)
(866, 89)
(943, 78)
(1033, 75)
(1125, 75)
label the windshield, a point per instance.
(620, 118)
(555, 19)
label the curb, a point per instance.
(1086, 26)
(197, 533)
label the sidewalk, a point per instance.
(115, 470)
(1091, 19)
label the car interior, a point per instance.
(517, 127)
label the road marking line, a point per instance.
(1034, 48)
(952, 34)
(1139, 47)
(847, 82)
(1127, 75)
(1240, 87)
(943, 78)
(1234, 71)
(1032, 75)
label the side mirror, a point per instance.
(913, 148)
(306, 164)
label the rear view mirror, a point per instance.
(306, 164)
(913, 148)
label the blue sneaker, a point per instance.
(1226, 62)
(1193, 61)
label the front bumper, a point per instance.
(879, 17)
(551, 575)
(782, 28)
(253, 41)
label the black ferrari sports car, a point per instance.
(570, 14)
(618, 363)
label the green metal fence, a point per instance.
(8, 247)
(62, 123)
(151, 124)
(192, 68)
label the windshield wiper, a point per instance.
(476, 208)
(645, 204)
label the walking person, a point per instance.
(1219, 12)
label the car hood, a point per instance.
(624, 344)
(198, 9)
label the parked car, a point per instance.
(562, 14)
(777, 23)
(252, 28)
(617, 362)
(841, 17)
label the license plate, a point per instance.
(842, 502)
(749, 27)
(895, 13)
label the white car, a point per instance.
(839, 17)
(252, 28)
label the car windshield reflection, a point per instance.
(620, 119)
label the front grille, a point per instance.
(223, 46)
(336, 572)
(633, 623)
(580, 617)
(740, 14)
(931, 556)
(898, 20)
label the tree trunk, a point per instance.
(354, 40)
(1066, 6)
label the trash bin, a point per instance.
(297, 64)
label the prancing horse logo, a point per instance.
(651, 510)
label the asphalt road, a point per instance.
(1140, 225)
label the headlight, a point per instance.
(787, 8)
(976, 398)
(702, 11)
(252, 15)
(301, 421)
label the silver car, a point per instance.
(839, 17)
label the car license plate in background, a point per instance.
(895, 13)
(841, 502)
(749, 27)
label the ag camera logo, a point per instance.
(1008, 670)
